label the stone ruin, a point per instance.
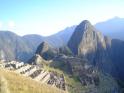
(36, 73)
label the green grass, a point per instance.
(16, 83)
(106, 85)
(72, 82)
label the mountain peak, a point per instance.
(86, 39)
(44, 43)
(43, 47)
(85, 24)
(46, 51)
(85, 21)
(83, 30)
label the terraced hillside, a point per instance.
(81, 77)
(74, 76)
(37, 73)
(16, 83)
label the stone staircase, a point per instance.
(36, 73)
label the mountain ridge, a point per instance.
(112, 27)
(33, 40)
(89, 57)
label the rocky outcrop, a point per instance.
(86, 39)
(101, 51)
(36, 60)
(46, 51)
(24, 47)
(89, 76)
(65, 50)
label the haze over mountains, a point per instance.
(82, 52)
(113, 28)
(90, 46)
(28, 43)
(103, 52)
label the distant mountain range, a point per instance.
(29, 43)
(13, 46)
(90, 46)
(70, 49)
(105, 53)
(88, 43)
(113, 28)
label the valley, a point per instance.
(87, 63)
(61, 46)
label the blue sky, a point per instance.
(46, 17)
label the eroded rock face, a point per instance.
(87, 42)
(88, 75)
(77, 67)
(46, 51)
(86, 39)
(43, 47)
(36, 60)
